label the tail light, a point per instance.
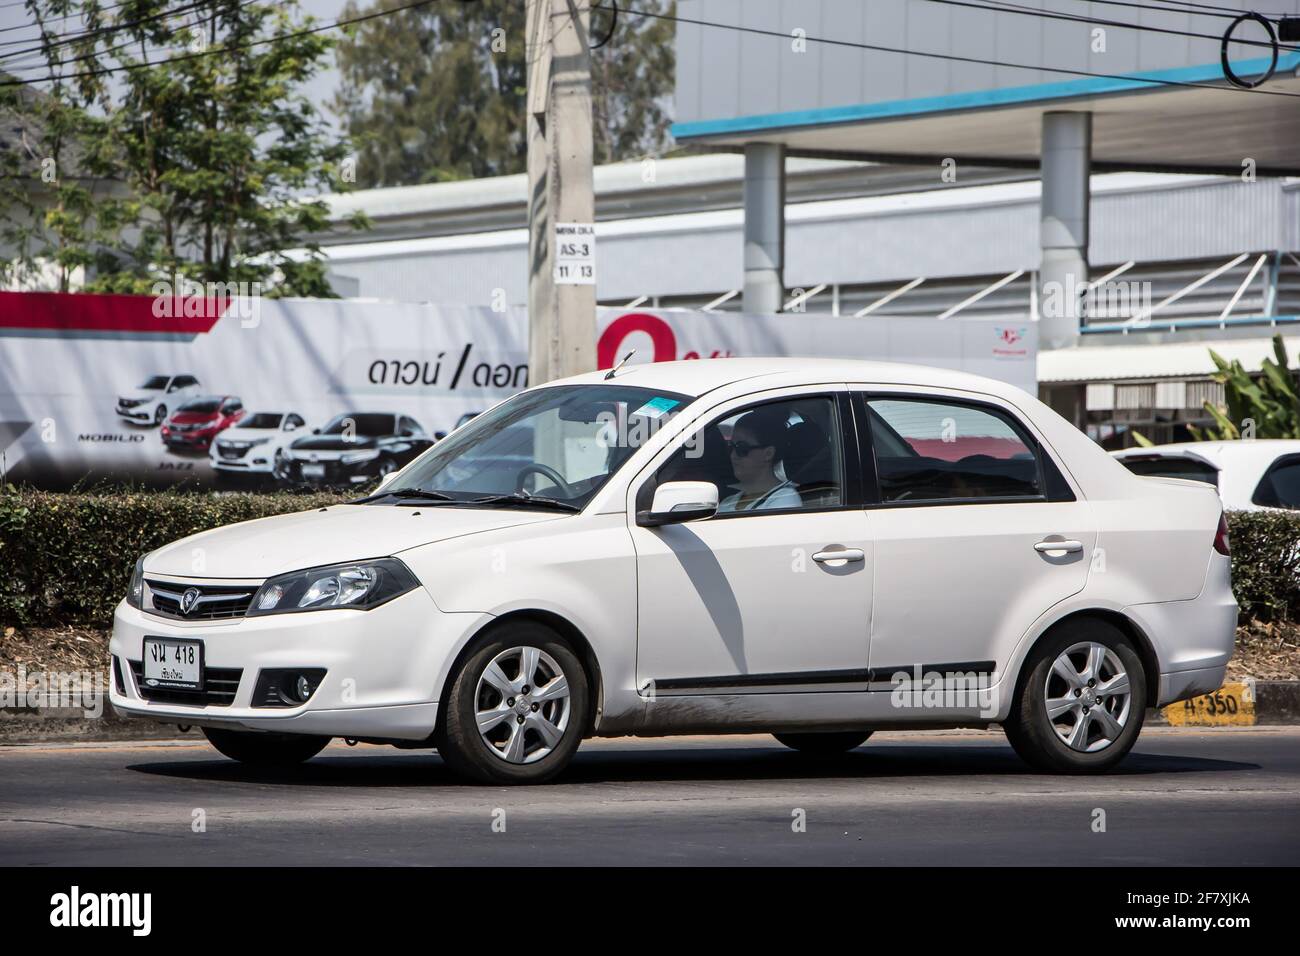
(1221, 537)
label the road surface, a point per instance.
(1220, 797)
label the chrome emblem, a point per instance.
(189, 599)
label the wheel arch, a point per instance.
(567, 631)
(1141, 643)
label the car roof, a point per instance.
(699, 376)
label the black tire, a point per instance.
(265, 749)
(1033, 734)
(823, 745)
(458, 739)
(160, 414)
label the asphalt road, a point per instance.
(1214, 797)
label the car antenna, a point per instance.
(623, 361)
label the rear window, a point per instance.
(1163, 466)
(1280, 486)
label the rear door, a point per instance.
(976, 530)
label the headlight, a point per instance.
(362, 584)
(135, 590)
(356, 457)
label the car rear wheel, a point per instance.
(1081, 700)
(265, 749)
(824, 744)
(517, 709)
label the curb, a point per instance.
(1248, 703)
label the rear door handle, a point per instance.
(844, 554)
(1067, 546)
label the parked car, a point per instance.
(874, 546)
(149, 403)
(467, 417)
(195, 423)
(354, 448)
(1250, 474)
(255, 446)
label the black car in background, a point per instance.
(354, 448)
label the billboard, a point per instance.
(293, 391)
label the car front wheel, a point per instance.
(160, 414)
(1081, 702)
(265, 749)
(517, 709)
(824, 744)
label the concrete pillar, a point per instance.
(764, 227)
(1063, 233)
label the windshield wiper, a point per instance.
(419, 493)
(520, 500)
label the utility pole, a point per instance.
(561, 205)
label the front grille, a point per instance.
(232, 451)
(219, 686)
(215, 602)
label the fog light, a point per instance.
(303, 687)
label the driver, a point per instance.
(755, 446)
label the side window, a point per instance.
(775, 456)
(294, 421)
(931, 450)
(410, 428)
(1280, 486)
(232, 406)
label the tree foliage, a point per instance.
(437, 92)
(192, 160)
(1267, 407)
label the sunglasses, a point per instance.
(742, 448)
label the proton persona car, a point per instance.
(194, 425)
(814, 549)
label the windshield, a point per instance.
(367, 425)
(157, 382)
(262, 420)
(561, 443)
(205, 405)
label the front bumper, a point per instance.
(140, 415)
(383, 667)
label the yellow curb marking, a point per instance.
(1232, 705)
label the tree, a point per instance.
(1267, 407)
(210, 138)
(437, 92)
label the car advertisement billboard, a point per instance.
(308, 391)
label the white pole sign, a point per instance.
(575, 253)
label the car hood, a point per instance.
(334, 442)
(307, 539)
(141, 395)
(247, 434)
(192, 418)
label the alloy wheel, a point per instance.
(1087, 697)
(521, 705)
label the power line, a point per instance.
(878, 48)
(28, 26)
(129, 67)
(1001, 6)
(67, 39)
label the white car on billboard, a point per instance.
(255, 446)
(1250, 474)
(815, 549)
(156, 397)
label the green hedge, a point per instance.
(1266, 564)
(67, 558)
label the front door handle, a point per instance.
(843, 554)
(1069, 547)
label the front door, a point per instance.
(774, 593)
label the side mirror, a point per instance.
(315, 431)
(439, 436)
(678, 501)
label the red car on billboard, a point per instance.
(194, 424)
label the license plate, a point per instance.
(173, 663)
(313, 471)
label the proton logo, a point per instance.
(189, 599)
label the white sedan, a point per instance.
(810, 548)
(1251, 474)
